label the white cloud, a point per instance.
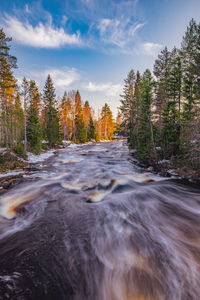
(119, 32)
(151, 48)
(62, 78)
(41, 36)
(109, 89)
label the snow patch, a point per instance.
(32, 158)
(14, 173)
(164, 161)
(172, 172)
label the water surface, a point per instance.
(88, 224)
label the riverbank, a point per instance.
(168, 168)
(15, 168)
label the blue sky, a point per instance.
(91, 45)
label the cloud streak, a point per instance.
(40, 36)
(109, 89)
(119, 32)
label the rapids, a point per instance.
(88, 224)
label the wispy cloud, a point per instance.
(63, 78)
(41, 36)
(150, 48)
(109, 89)
(119, 32)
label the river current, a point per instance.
(88, 224)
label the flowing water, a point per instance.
(89, 225)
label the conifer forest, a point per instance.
(99, 175)
(160, 110)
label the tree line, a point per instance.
(27, 117)
(160, 112)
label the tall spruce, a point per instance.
(25, 94)
(91, 130)
(145, 147)
(52, 127)
(18, 120)
(80, 129)
(34, 134)
(127, 106)
(7, 88)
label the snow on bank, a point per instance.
(32, 158)
(14, 173)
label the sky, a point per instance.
(91, 45)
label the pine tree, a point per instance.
(87, 116)
(34, 134)
(34, 96)
(189, 50)
(18, 120)
(175, 80)
(127, 107)
(145, 147)
(197, 64)
(80, 129)
(25, 94)
(91, 130)
(78, 105)
(52, 127)
(119, 129)
(161, 71)
(137, 103)
(7, 88)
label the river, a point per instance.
(88, 224)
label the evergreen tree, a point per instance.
(119, 129)
(137, 103)
(189, 51)
(34, 96)
(91, 130)
(7, 88)
(87, 116)
(25, 94)
(161, 71)
(34, 134)
(175, 80)
(170, 131)
(52, 127)
(127, 107)
(18, 120)
(78, 105)
(80, 129)
(145, 131)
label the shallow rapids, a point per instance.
(88, 224)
